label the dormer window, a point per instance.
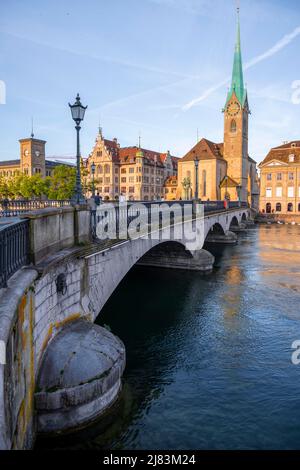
(293, 145)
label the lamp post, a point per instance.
(196, 161)
(93, 169)
(78, 111)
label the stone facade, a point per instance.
(32, 160)
(133, 172)
(280, 180)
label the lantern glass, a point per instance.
(77, 110)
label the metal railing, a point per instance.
(13, 208)
(121, 215)
(14, 249)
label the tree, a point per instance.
(62, 182)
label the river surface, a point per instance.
(209, 357)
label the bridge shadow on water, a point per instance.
(151, 310)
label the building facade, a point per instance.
(32, 160)
(280, 180)
(133, 172)
(225, 170)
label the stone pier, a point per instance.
(228, 238)
(177, 258)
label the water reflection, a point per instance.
(208, 357)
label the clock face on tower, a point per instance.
(233, 108)
(26, 153)
(37, 153)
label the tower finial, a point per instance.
(139, 139)
(32, 134)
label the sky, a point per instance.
(160, 68)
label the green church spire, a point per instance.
(237, 82)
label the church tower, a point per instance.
(236, 113)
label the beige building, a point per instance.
(133, 172)
(280, 180)
(225, 169)
(32, 160)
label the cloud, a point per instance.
(285, 41)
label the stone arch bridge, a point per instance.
(60, 370)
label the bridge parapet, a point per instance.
(58, 290)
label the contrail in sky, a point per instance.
(285, 41)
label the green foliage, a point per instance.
(62, 182)
(58, 186)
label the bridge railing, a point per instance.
(14, 249)
(13, 208)
(120, 215)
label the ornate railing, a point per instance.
(14, 249)
(13, 208)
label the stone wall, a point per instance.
(32, 311)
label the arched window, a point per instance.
(278, 207)
(107, 169)
(99, 169)
(233, 126)
(268, 208)
(204, 183)
(290, 207)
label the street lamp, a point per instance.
(196, 161)
(78, 111)
(93, 169)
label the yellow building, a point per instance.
(32, 160)
(280, 180)
(225, 170)
(133, 172)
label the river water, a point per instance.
(209, 356)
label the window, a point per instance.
(131, 189)
(233, 126)
(291, 158)
(279, 191)
(123, 179)
(269, 177)
(290, 207)
(107, 169)
(268, 208)
(290, 191)
(99, 153)
(99, 169)
(279, 176)
(107, 180)
(299, 207)
(278, 207)
(204, 183)
(116, 179)
(131, 169)
(123, 170)
(268, 192)
(131, 179)
(291, 176)
(106, 189)
(116, 169)
(123, 189)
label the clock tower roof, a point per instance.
(237, 82)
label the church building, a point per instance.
(225, 170)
